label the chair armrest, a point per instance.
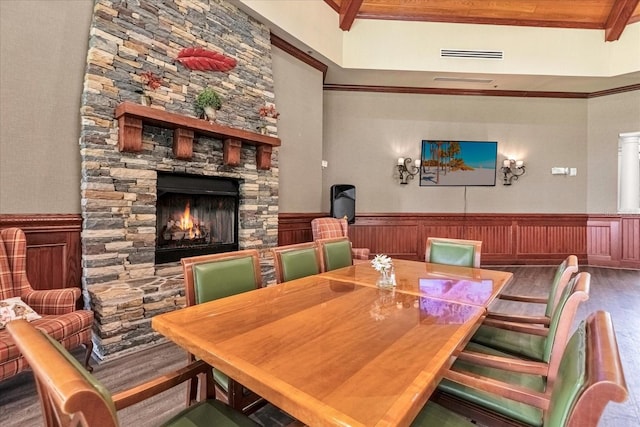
(162, 383)
(524, 298)
(360, 253)
(517, 327)
(506, 390)
(505, 363)
(515, 318)
(53, 301)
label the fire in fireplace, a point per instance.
(195, 216)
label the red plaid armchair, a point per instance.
(60, 319)
(328, 228)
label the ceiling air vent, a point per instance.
(474, 54)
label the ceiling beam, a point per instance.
(348, 11)
(618, 19)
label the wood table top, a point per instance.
(462, 284)
(329, 352)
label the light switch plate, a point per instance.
(573, 171)
(559, 171)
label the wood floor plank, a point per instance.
(613, 290)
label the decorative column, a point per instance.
(629, 175)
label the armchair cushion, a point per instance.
(528, 345)
(53, 301)
(15, 308)
(433, 414)
(210, 412)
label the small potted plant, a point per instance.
(206, 104)
(151, 82)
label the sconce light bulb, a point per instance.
(400, 160)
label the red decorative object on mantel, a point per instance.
(197, 58)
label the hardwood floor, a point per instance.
(616, 291)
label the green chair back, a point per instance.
(556, 317)
(452, 254)
(563, 272)
(219, 279)
(337, 254)
(299, 263)
(571, 380)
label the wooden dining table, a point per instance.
(333, 349)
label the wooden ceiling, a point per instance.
(609, 15)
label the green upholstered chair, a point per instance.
(335, 253)
(214, 276)
(543, 354)
(296, 261)
(590, 377)
(532, 341)
(71, 396)
(464, 253)
(565, 270)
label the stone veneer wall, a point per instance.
(121, 281)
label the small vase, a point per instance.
(385, 280)
(263, 130)
(210, 113)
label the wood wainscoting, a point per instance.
(53, 248)
(508, 239)
(614, 240)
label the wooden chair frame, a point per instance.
(605, 382)
(277, 257)
(236, 397)
(322, 242)
(570, 270)
(563, 333)
(477, 248)
(68, 399)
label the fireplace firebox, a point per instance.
(196, 215)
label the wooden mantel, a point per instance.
(131, 117)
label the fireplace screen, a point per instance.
(195, 216)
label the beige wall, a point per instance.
(298, 90)
(43, 48)
(366, 132)
(608, 117)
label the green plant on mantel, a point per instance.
(207, 102)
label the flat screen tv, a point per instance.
(455, 163)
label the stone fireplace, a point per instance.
(133, 215)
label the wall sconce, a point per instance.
(512, 170)
(406, 169)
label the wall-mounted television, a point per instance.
(454, 163)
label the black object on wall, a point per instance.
(343, 202)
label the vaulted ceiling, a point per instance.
(609, 15)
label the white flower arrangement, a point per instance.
(382, 263)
